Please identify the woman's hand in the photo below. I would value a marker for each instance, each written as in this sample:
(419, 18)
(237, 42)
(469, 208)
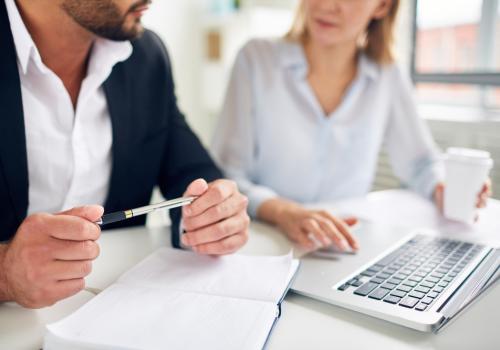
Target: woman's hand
(482, 197)
(311, 229)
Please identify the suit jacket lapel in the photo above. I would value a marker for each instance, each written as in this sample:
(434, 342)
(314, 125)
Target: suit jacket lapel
(13, 158)
(117, 90)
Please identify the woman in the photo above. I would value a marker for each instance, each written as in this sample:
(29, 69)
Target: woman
(305, 118)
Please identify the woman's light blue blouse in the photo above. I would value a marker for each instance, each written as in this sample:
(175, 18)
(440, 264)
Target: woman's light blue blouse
(274, 139)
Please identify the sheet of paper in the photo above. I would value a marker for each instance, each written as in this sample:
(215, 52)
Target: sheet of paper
(122, 317)
(256, 277)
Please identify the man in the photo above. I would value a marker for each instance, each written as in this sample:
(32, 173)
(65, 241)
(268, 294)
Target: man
(90, 117)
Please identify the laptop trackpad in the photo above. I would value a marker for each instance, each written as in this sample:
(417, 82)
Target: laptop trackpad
(319, 272)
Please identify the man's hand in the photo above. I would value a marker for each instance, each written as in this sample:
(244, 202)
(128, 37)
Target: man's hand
(216, 223)
(49, 256)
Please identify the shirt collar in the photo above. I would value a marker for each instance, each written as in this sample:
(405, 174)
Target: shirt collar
(292, 57)
(25, 46)
(105, 53)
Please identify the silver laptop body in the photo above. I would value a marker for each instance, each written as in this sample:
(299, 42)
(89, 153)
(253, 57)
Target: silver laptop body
(456, 272)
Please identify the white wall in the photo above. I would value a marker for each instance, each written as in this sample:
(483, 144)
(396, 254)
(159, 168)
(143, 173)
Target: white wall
(200, 86)
(177, 23)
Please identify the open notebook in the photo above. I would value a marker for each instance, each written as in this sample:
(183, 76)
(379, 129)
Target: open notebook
(175, 299)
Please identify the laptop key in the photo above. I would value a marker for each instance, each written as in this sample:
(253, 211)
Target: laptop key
(388, 285)
(409, 302)
(432, 279)
(427, 300)
(415, 294)
(377, 280)
(398, 293)
(357, 283)
(368, 273)
(384, 275)
(392, 299)
(379, 293)
(422, 289)
(352, 280)
(427, 284)
(400, 276)
(366, 289)
(410, 283)
(433, 295)
(404, 288)
(389, 258)
(421, 307)
(343, 287)
(394, 281)
(415, 278)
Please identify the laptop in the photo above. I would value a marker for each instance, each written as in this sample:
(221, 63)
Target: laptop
(418, 279)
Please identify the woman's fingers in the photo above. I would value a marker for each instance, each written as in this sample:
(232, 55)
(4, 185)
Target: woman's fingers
(334, 234)
(316, 233)
(439, 196)
(484, 195)
(342, 229)
(351, 221)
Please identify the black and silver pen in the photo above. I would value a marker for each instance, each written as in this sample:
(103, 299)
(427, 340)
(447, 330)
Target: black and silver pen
(127, 214)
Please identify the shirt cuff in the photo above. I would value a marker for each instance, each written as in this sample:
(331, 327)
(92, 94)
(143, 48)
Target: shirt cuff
(256, 197)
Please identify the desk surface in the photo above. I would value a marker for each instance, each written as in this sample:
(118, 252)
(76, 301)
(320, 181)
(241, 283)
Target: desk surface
(305, 323)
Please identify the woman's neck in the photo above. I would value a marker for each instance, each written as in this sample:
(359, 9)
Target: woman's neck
(336, 60)
(331, 71)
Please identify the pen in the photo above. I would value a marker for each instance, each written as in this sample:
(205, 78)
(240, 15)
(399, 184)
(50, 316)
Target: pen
(127, 214)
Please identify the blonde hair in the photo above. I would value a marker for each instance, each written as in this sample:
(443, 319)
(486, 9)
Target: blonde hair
(376, 43)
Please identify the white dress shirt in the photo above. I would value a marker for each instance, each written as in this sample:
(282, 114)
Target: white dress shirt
(274, 139)
(68, 149)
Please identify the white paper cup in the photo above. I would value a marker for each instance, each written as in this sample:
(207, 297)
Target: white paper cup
(466, 172)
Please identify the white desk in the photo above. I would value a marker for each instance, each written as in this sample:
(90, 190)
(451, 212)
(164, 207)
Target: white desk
(305, 323)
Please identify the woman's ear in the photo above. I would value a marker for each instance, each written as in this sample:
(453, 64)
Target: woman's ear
(382, 9)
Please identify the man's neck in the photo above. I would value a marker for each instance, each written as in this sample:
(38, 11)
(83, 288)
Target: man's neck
(63, 45)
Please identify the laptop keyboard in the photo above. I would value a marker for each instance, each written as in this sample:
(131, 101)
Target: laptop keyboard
(414, 275)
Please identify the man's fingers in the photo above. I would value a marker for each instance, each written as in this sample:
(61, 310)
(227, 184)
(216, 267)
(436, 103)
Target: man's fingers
(63, 227)
(218, 191)
(230, 207)
(196, 188)
(67, 227)
(89, 212)
(68, 270)
(224, 246)
(74, 250)
(65, 289)
(217, 231)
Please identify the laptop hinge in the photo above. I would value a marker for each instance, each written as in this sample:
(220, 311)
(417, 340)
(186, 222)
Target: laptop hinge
(480, 278)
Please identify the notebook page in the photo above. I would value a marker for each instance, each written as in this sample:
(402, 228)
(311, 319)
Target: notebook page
(139, 317)
(252, 277)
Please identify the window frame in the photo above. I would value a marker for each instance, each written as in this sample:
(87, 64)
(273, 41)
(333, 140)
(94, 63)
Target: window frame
(480, 77)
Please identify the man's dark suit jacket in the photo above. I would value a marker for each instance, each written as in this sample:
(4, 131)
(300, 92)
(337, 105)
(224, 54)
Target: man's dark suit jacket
(152, 144)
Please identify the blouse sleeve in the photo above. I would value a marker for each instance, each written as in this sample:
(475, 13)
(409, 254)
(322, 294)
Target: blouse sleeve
(234, 144)
(413, 154)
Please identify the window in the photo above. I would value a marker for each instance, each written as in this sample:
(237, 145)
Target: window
(456, 58)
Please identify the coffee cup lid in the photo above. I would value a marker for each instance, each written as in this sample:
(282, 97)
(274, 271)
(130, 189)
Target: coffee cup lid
(468, 155)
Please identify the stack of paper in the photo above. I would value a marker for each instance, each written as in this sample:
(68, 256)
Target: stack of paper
(178, 300)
